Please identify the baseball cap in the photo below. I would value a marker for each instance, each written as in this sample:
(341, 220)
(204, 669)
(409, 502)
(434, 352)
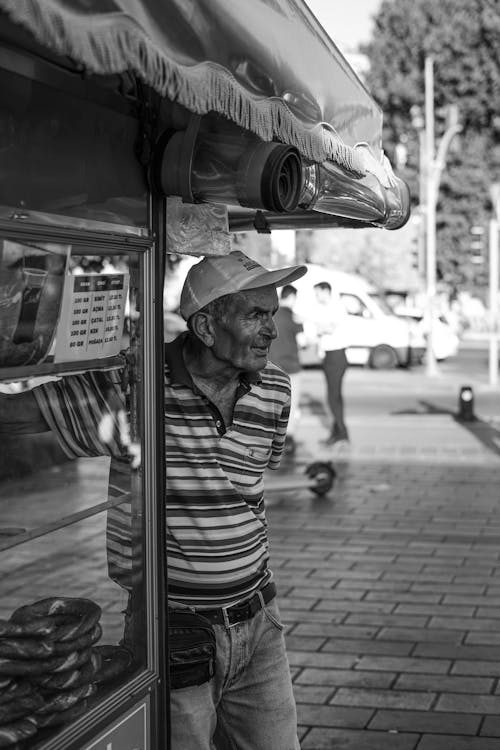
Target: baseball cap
(217, 275)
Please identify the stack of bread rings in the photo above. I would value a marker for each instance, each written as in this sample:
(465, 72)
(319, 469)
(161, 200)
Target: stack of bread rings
(48, 667)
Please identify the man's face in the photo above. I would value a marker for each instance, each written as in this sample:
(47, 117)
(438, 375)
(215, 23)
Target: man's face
(244, 336)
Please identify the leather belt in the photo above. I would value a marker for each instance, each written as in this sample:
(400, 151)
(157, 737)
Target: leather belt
(240, 612)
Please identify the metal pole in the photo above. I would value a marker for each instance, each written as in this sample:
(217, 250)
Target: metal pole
(431, 194)
(493, 348)
(422, 199)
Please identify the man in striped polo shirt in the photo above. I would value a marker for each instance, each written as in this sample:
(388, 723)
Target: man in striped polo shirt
(226, 411)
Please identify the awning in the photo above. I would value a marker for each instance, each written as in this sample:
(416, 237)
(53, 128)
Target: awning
(266, 65)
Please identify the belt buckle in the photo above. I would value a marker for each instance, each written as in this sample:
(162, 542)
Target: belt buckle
(247, 603)
(225, 617)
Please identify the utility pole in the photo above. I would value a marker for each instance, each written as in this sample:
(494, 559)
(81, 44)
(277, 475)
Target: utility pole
(418, 123)
(430, 215)
(435, 166)
(493, 274)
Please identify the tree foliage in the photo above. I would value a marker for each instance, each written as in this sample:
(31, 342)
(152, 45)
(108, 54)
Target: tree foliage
(463, 38)
(381, 257)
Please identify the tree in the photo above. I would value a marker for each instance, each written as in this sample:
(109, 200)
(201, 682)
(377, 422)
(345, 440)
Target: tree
(463, 37)
(381, 257)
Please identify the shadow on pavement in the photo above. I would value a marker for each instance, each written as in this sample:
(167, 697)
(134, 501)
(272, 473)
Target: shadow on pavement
(313, 405)
(483, 432)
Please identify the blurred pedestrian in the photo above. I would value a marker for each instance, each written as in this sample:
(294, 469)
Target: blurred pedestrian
(330, 319)
(284, 352)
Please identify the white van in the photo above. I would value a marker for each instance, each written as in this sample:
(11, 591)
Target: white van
(445, 340)
(378, 337)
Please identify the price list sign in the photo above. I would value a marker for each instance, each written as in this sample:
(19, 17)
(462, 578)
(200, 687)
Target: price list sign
(92, 313)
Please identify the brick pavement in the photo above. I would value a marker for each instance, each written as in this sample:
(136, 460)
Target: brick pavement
(390, 590)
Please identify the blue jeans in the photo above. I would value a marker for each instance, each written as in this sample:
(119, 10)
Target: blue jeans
(249, 704)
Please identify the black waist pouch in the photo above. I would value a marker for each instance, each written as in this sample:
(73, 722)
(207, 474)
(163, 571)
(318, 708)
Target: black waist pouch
(192, 648)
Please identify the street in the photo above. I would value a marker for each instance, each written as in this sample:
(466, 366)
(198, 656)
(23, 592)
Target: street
(375, 392)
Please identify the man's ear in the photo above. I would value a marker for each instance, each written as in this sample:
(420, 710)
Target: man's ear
(203, 328)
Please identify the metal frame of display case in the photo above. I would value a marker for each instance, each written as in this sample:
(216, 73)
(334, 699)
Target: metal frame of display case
(136, 713)
(136, 710)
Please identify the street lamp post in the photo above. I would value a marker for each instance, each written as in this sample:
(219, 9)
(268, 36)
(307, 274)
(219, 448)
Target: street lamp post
(418, 124)
(493, 274)
(435, 166)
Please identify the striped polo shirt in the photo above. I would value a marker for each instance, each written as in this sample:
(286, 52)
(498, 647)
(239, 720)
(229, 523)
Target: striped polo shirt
(76, 408)
(217, 540)
(217, 545)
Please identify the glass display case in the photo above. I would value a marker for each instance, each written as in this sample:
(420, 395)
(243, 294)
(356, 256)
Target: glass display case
(80, 660)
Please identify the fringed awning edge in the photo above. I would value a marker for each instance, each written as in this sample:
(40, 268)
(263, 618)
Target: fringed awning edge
(114, 44)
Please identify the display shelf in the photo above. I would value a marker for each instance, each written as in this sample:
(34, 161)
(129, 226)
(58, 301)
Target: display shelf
(16, 374)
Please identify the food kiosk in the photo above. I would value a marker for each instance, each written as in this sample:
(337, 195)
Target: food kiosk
(130, 129)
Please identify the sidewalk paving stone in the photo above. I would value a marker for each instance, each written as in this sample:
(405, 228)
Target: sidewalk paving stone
(337, 739)
(444, 683)
(426, 721)
(333, 716)
(491, 726)
(476, 704)
(445, 742)
(372, 698)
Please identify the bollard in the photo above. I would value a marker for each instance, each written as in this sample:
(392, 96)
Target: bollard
(466, 404)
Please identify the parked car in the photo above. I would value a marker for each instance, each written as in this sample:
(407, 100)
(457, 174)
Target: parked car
(445, 340)
(377, 337)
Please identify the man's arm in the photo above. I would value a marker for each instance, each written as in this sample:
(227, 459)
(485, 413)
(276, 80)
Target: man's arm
(280, 431)
(20, 414)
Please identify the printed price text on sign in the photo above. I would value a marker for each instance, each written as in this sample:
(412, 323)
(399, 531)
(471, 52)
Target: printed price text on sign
(92, 315)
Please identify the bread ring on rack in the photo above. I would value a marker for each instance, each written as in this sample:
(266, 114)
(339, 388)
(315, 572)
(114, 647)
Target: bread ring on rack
(83, 641)
(70, 627)
(73, 628)
(86, 612)
(55, 606)
(42, 628)
(62, 717)
(73, 660)
(34, 648)
(115, 661)
(65, 699)
(72, 678)
(22, 707)
(43, 666)
(15, 690)
(26, 648)
(17, 731)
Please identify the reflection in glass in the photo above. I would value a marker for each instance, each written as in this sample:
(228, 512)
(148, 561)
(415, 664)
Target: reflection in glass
(33, 283)
(68, 157)
(31, 286)
(72, 609)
